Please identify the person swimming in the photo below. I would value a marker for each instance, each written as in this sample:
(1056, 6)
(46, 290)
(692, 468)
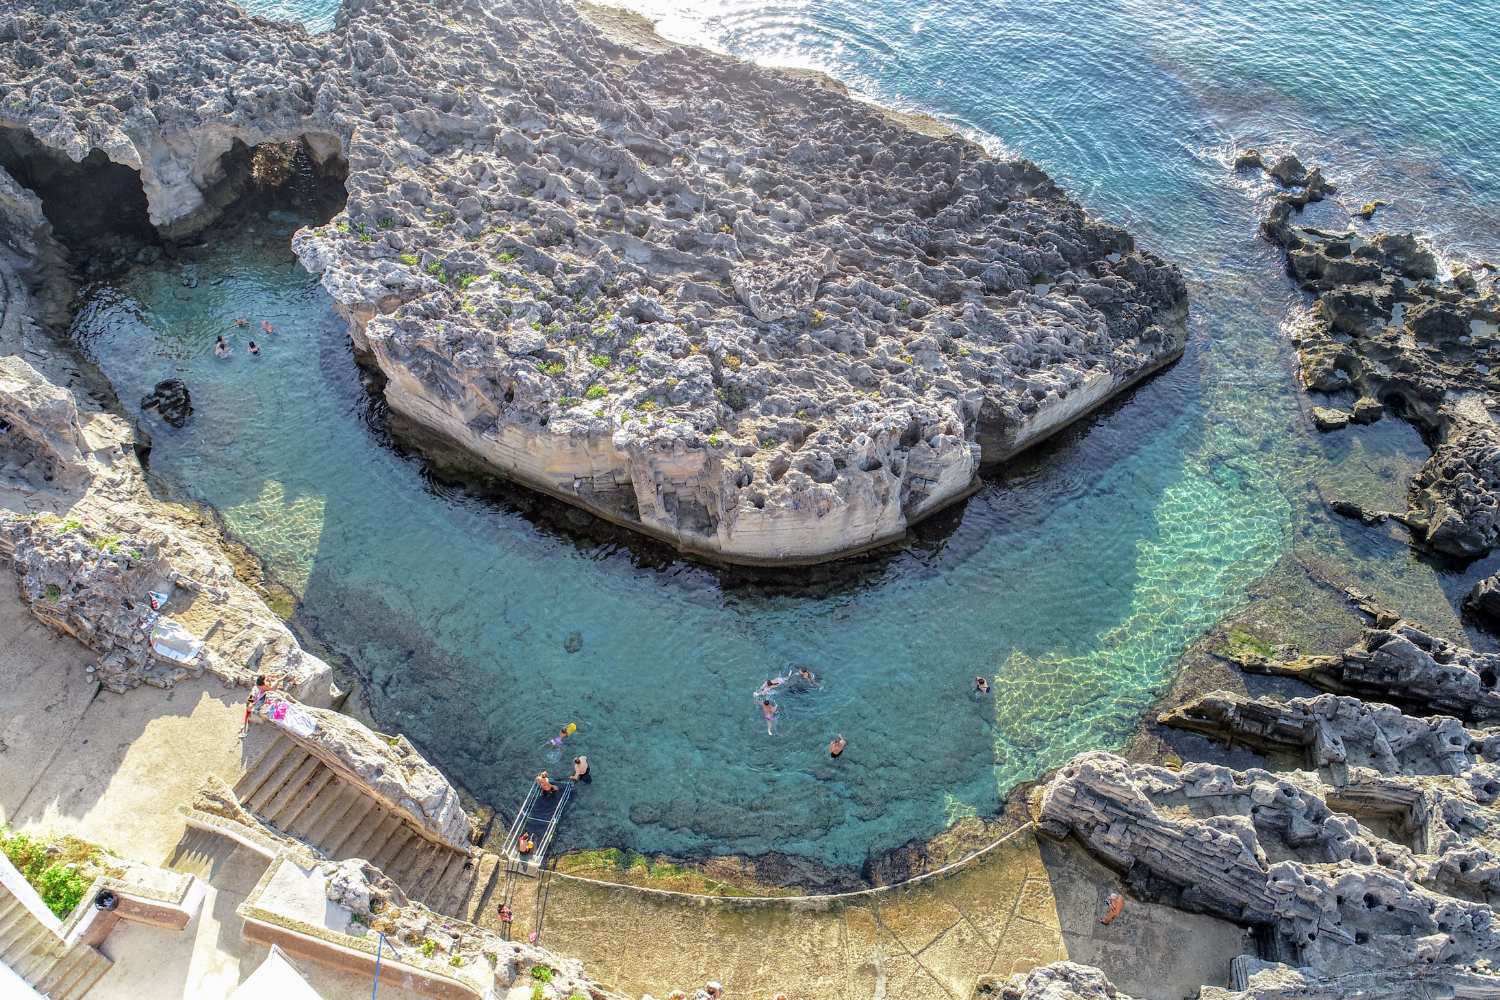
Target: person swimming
(771, 684)
(254, 349)
(221, 349)
(836, 746)
(241, 321)
(768, 712)
(981, 686)
(806, 676)
(265, 325)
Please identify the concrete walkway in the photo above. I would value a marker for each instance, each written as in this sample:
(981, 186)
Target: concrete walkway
(1024, 904)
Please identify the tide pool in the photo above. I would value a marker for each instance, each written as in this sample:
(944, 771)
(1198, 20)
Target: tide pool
(1075, 578)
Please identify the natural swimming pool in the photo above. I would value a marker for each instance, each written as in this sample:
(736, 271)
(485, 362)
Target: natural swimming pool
(1075, 579)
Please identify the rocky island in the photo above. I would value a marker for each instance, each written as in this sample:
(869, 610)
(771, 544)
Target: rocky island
(728, 307)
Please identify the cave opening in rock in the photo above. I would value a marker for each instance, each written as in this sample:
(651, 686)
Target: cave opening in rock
(93, 205)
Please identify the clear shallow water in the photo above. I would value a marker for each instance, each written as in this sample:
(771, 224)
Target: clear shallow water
(1076, 579)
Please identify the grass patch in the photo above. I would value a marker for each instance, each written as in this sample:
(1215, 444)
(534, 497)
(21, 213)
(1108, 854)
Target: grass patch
(60, 869)
(409, 259)
(600, 360)
(1239, 644)
(595, 392)
(552, 368)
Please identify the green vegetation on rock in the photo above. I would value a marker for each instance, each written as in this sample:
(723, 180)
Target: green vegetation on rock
(60, 869)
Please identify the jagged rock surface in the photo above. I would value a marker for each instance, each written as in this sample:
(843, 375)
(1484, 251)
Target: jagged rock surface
(40, 440)
(1263, 850)
(1402, 662)
(1387, 326)
(171, 400)
(1484, 601)
(729, 307)
(1058, 981)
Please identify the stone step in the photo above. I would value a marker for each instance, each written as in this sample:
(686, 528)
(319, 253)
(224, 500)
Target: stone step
(309, 800)
(42, 950)
(425, 864)
(381, 825)
(13, 917)
(262, 768)
(312, 821)
(395, 845)
(460, 881)
(486, 879)
(18, 937)
(75, 974)
(290, 794)
(438, 896)
(353, 828)
(263, 796)
(321, 834)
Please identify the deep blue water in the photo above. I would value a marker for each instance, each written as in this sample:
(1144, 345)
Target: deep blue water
(1075, 580)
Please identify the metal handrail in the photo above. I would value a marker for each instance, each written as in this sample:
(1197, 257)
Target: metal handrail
(546, 841)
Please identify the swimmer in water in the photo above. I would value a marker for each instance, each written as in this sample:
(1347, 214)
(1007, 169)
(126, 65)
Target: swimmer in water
(242, 321)
(771, 684)
(254, 349)
(545, 784)
(581, 769)
(836, 746)
(265, 325)
(807, 677)
(981, 686)
(768, 711)
(221, 349)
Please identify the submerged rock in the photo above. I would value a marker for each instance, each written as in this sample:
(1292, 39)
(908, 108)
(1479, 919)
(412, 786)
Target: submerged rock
(171, 400)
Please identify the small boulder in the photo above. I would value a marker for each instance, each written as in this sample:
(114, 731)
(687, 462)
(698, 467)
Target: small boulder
(1329, 419)
(172, 400)
(1484, 602)
(1249, 159)
(1367, 410)
(1288, 171)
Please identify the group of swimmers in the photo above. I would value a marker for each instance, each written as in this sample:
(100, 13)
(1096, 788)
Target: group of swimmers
(222, 348)
(581, 775)
(800, 677)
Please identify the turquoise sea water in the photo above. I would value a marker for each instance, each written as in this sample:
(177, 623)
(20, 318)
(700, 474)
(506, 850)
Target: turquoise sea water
(1075, 579)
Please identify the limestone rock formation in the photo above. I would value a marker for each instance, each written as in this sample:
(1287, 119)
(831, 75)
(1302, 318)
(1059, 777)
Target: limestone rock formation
(728, 307)
(1388, 328)
(391, 769)
(1406, 662)
(40, 439)
(1266, 851)
(1058, 981)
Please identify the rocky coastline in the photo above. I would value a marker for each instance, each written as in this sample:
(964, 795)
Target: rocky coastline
(701, 324)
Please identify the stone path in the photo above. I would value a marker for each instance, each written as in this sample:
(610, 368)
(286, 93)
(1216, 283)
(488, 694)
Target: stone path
(1022, 905)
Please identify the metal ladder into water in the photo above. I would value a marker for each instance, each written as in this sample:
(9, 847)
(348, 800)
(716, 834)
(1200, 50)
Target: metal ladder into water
(543, 828)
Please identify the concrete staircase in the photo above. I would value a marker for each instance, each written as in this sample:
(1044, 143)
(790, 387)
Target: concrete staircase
(34, 952)
(296, 793)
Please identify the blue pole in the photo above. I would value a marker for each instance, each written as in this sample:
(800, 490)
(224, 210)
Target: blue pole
(379, 946)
